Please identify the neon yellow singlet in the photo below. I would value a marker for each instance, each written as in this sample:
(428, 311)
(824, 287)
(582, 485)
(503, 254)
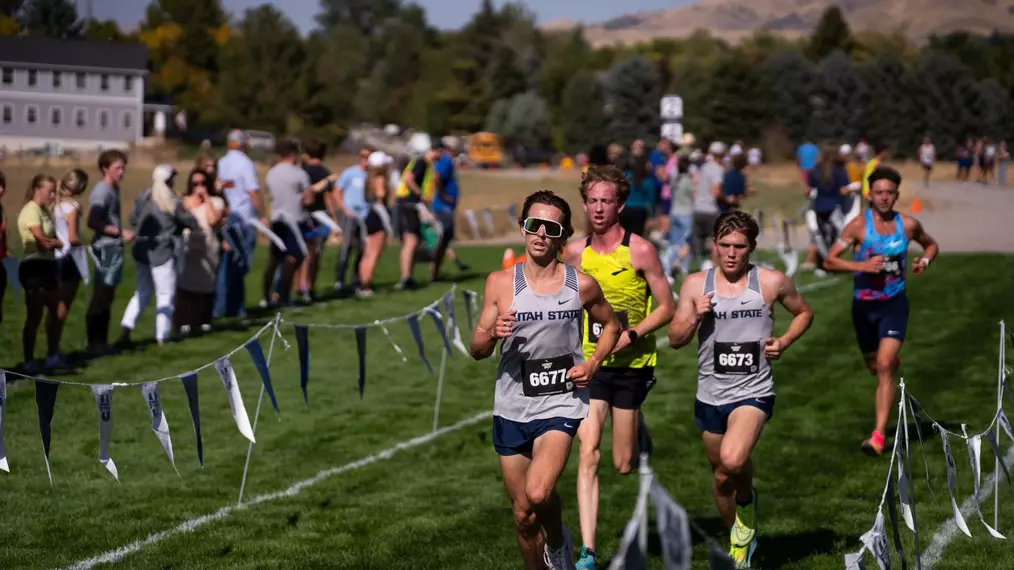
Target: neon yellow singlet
(870, 167)
(630, 297)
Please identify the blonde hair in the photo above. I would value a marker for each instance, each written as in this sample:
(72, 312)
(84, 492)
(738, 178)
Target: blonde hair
(72, 183)
(161, 193)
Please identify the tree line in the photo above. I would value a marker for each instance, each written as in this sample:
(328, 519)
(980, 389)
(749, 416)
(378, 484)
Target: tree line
(383, 61)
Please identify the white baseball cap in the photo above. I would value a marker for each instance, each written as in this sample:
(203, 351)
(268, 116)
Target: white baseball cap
(845, 149)
(379, 159)
(717, 147)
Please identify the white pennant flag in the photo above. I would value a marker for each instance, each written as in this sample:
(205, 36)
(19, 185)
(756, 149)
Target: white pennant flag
(906, 508)
(228, 375)
(158, 422)
(104, 402)
(875, 540)
(3, 416)
(952, 478)
(974, 454)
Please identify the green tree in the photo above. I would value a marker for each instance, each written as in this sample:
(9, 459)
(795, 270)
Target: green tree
(496, 120)
(993, 107)
(893, 108)
(10, 8)
(261, 72)
(583, 118)
(103, 31)
(948, 102)
(51, 18)
(791, 80)
(839, 101)
(691, 80)
(367, 16)
(737, 106)
(200, 21)
(528, 122)
(832, 33)
(634, 95)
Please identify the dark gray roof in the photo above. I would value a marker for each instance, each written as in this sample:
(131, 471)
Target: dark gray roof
(73, 53)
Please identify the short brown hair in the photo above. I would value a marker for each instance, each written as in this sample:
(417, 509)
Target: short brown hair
(108, 157)
(739, 162)
(737, 221)
(610, 175)
(315, 148)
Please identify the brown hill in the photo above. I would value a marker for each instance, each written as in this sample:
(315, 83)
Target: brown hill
(734, 19)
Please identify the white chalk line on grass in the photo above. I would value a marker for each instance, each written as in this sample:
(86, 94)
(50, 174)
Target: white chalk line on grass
(187, 526)
(949, 529)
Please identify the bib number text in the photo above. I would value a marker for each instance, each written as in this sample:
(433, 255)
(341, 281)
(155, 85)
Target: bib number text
(737, 357)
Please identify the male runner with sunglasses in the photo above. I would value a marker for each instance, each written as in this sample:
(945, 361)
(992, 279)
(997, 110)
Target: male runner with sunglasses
(541, 389)
(628, 269)
(730, 308)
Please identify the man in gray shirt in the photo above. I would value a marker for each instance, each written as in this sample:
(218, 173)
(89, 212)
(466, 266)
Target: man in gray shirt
(107, 247)
(291, 191)
(709, 183)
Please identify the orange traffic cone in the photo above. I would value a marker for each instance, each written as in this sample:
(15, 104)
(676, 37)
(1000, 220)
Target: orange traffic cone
(508, 258)
(916, 206)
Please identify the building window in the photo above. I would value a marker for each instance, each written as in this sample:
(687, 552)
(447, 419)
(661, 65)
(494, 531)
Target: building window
(31, 114)
(81, 81)
(8, 114)
(128, 120)
(103, 119)
(80, 118)
(128, 84)
(33, 77)
(57, 80)
(8, 78)
(104, 84)
(55, 116)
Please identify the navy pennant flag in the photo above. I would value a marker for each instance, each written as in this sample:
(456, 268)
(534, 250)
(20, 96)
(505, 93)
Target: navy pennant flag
(413, 325)
(952, 478)
(45, 401)
(261, 363)
(3, 416)
(673, 529)
(439, 322)
(469, 300)
(361, 349)
(228, 375)
(452, 323)
(916, 408)
(303, 348)
(104, 402)
(159, 424)
(991, 438)
(190, 387)
(892, 514)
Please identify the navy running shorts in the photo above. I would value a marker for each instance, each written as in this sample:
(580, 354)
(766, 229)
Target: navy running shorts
(513, 438)
(876, 320)
(290, 239)
(715, 419)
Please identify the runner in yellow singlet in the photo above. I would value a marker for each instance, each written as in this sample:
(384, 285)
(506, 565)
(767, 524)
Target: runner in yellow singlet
(628, 270)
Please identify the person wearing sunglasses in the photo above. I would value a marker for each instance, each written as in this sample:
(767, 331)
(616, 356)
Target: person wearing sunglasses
(730, 308)
(535, 308)
(628, 269)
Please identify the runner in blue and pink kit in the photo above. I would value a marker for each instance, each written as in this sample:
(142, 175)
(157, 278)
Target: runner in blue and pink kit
(880, 239)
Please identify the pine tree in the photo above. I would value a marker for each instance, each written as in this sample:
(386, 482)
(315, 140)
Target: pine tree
(51, 18)
(583, 120)
(832, 33)
(634, 96)
(839, 101)
(791, 79)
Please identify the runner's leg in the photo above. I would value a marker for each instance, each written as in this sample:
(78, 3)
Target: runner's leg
(526, 525)
(625, 447)
(886, 362)
(549, 457)
(590, 438)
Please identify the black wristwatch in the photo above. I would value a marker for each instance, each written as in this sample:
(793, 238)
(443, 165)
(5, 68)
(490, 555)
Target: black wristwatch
(632, 334)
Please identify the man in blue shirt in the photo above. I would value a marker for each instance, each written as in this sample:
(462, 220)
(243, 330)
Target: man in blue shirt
(445, 202)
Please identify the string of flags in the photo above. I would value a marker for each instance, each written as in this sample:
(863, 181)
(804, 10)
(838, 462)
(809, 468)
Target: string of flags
(673, 525)
(441, 312)
(899, 473)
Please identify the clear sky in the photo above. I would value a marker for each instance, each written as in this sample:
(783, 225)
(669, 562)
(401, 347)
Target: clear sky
(441, 13)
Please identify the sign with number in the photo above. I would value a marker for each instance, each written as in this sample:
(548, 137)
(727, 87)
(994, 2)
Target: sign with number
(893, 265)
(547, 376)
(737, 357)
(672, 131)
(672, 108)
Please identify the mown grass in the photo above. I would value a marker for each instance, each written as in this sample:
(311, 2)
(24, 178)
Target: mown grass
(442, 505)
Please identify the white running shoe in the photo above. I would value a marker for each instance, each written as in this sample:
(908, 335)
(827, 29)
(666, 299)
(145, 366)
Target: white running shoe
(562, 559)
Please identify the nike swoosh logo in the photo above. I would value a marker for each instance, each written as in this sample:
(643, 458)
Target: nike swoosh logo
(743, 302)
(568, 426)
(562, 302)
(615, 273)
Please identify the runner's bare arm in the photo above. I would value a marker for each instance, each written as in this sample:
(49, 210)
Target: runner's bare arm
(802, 314)
(600, 311)
(572, 253)
(929, 245)
(685, 321)
(851, 235)
(645, 259)
(484, 338)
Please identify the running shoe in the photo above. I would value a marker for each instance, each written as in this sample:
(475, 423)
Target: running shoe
(743, 536)
(874, 446)
(563, 558)
(587, 560)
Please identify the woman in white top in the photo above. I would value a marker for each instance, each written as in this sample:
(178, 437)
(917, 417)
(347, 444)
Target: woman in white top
(195, 290)
(71, 259)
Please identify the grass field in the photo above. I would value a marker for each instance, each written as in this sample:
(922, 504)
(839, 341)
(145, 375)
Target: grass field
(440, 504)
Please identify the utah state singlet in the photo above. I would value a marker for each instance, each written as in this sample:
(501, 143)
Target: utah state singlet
(894, 247)
(731, 362)
(544, 344)
(630, 297)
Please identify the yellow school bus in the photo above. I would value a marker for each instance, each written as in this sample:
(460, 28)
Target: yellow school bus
(484, 150)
